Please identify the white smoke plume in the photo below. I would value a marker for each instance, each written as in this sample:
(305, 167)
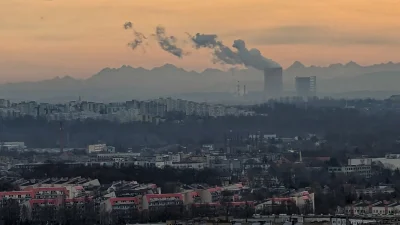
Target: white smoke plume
(128, 25)
(224, 54)
(253, 57)
(205, 40)
(239, 54)
(168, 43)
(139, 37)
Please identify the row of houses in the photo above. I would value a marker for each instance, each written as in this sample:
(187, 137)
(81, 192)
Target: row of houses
(31, 193)
(371, 208)
(121, 196)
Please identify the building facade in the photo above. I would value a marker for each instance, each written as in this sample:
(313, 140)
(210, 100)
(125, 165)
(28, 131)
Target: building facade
(306, 87)
(273, 83)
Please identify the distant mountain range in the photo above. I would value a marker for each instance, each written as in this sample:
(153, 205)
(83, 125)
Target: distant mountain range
(124, 83)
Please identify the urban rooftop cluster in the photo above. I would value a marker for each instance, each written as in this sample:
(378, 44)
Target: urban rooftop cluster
(134, 110)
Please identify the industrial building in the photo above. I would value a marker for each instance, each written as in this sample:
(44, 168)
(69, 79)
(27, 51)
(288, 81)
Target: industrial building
(273, 83)
(306, 87)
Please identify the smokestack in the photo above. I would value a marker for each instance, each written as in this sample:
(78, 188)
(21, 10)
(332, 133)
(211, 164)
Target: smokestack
(238, 89)
(61, 137)
(273, 83)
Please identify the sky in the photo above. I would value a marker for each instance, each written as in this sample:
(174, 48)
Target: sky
(41, 39)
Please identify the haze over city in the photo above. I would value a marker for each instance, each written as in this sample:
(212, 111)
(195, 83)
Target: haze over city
(213, 112)
(44, 39)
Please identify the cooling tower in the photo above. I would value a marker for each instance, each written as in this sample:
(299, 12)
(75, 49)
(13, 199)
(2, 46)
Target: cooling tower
(273, 84)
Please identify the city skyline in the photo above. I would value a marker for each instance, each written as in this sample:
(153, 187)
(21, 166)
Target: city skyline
(44, 39)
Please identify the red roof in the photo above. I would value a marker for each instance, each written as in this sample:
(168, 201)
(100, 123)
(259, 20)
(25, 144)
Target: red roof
(215, 189)
(194, 194)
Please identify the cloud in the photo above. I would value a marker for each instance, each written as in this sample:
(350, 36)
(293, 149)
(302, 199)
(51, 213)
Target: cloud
(315, 35)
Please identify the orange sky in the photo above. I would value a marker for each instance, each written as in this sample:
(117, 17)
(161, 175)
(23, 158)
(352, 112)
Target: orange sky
(47, 38)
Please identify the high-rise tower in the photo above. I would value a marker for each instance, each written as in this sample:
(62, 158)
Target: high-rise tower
(306, 87)
(273, 83)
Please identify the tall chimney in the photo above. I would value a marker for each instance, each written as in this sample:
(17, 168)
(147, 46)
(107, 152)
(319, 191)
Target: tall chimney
(61, 137)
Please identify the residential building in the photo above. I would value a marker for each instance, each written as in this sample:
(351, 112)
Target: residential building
(304, 200)
(4, 103)
(112, 156)
(156, 202)
(20, 196)
(359, 161)
(306, 87)
(12, 145)
(360, 170)
(124, 204)
(97, 148)
(371, 191)
(211, 194)
(189, 165)
(273, 83)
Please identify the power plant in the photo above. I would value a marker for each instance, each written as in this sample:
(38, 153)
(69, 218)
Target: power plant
(273, 83)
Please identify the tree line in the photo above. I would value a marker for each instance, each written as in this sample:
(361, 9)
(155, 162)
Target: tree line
(283, 119)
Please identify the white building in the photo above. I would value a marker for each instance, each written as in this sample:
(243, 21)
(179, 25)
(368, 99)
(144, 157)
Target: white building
(360, 170)
(189, 165)
(160, 201)
(111, 156)
(13, 145)
(375, 190)
(390, 161)
(359, 161)
(97, 148)
(175, 158)
(4, 103)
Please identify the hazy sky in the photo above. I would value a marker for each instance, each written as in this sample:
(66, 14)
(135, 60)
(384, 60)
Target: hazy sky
(47, 38)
